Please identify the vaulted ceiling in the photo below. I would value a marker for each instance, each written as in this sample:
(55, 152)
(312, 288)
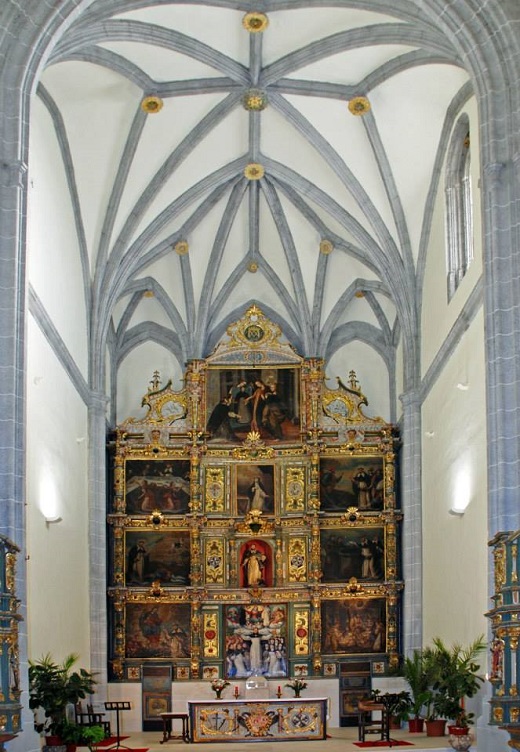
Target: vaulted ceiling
(218, 153)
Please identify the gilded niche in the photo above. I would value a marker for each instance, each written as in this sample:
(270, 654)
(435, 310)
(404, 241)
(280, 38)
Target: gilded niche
(254, 525)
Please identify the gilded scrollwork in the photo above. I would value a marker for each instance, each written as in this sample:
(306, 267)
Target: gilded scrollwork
(216, 518)
(297, 559)
(214, 561)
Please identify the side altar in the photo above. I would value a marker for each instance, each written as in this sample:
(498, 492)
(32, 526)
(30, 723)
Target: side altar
(295, 719)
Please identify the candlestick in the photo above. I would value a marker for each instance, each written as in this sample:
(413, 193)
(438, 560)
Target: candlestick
(279, 692)
(236, 693)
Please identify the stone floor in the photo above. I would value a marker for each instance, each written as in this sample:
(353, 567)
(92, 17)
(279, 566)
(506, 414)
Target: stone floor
(341, 740)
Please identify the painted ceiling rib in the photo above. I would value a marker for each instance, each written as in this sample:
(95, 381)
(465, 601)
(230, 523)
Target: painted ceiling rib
(150, 331)
(309, 88)
(255, 123)
(335, 314)
(319, 287)
(118, 188)
(221, 238)
(119, 270)
(112, 61)
(284, 296)
(196, 86)
(394, 200)
(255, 57)
(157, 36)
(144, 258)
(186, 146)
(68, 167)
(254, 219)
(138, 287)
(373, 254)
(338, 166)
(291, 255)
(402, 63)
(359, 331)
(379, 314)
(378, 34)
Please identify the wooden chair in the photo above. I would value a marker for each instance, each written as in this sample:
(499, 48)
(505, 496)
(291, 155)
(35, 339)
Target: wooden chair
(90, 717)
(367, 724)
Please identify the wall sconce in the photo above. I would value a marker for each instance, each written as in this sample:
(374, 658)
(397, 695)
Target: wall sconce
(51, 520)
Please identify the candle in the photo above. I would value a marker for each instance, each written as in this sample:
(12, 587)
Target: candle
(236, 691)
(279, 689)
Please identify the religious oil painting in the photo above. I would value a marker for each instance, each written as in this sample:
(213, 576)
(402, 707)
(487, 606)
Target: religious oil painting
(353, 552)
(162, 556)
(158, 630)
(263, 400)
(256, 640)
(255, 488)
(352, 482)
(162, 485)
(356, 625)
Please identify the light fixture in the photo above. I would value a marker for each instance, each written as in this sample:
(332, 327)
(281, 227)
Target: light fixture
(52, 520)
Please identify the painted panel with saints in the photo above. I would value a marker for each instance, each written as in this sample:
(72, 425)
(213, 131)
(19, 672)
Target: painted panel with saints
(265, 400)
(352, 482)
(162, 556)
(256, 640)
(355, 625)
(157, 484)
(158, 630)
(354, 552)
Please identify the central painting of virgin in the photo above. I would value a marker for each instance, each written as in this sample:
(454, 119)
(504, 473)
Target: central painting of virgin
(263, 400)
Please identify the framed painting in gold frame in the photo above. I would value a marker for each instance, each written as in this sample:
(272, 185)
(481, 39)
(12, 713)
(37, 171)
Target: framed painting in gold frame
(264, 400)
(353, 552)
(162, 485)
(157, 630)
(255, 488)
(352, 481)
(353, 625)
(157, 556)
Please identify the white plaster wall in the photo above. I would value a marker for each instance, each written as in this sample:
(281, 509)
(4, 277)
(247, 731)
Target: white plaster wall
(136, 372)
(53, 258)
(455, 554)
(58, 567)
(438, 316)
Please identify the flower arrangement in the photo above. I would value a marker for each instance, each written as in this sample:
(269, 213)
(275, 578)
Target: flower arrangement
(218, 685)
(296, 685)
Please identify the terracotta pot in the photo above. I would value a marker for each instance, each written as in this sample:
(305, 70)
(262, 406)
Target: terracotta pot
(53, 741)
(416, 725)
(395, 722)
(436, 727)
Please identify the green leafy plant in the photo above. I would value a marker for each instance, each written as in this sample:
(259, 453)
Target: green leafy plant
(453, 673)
(91, 736)
(414, 671)
(53, 686)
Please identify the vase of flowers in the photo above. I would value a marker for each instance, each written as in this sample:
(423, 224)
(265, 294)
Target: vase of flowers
(218, 686)
(296, 685)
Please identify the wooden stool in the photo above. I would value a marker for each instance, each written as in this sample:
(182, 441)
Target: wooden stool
(167, 719)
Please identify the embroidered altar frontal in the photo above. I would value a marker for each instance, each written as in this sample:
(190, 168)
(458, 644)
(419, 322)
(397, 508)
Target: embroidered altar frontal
(258, 720)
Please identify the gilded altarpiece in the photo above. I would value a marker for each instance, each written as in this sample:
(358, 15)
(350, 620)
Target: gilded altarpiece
(254, 526)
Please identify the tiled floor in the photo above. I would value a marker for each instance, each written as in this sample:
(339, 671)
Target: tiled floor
(341, 740)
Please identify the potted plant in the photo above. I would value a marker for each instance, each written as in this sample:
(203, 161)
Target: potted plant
(413, 670)
(53, 686)
(296, 685)
(91, 736)
(453, 676)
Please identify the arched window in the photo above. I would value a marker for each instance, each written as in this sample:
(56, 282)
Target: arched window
(459, 207)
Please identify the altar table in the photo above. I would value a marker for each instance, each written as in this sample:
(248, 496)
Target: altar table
(296, 719)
